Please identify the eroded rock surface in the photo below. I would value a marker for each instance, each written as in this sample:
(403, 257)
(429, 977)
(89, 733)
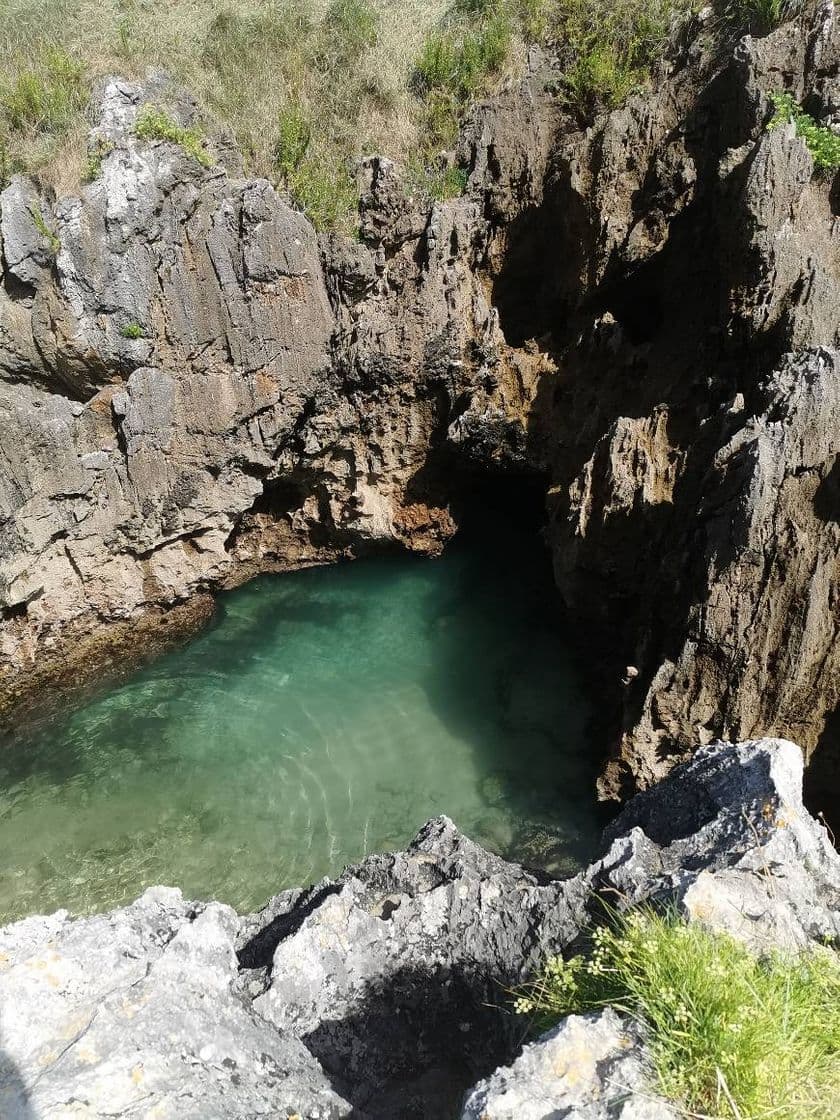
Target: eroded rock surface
(698, 368)
(589, 1067)
(135, 1013)
(383, 993)
(194, 389)
(728, 837)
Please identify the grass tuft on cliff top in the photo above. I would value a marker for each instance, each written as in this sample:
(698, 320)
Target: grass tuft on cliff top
(308, 86)
(732, 1036)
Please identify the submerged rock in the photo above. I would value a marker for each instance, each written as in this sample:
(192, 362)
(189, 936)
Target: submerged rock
(385, 993)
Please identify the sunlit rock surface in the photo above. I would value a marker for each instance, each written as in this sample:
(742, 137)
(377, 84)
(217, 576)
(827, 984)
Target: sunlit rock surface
(590, 1067)
(386, 991)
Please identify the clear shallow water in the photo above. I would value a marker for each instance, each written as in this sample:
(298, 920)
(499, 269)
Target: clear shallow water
(326, 714)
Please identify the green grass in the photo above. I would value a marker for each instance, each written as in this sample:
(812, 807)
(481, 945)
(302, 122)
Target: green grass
(445, 182)
(821, 142)
(325, 192)
(732, 1036)
(457, 64)
(93, 164)
(48, 235)
(41, 98)
(759, 16)
(609, 46)
(154, 123)
(306, 87)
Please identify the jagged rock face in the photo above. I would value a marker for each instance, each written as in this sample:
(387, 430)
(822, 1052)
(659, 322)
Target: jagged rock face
(193, 389)
(136, 1010)
(645, 311)
(590, 1067)
(690, 427)
(381, 994)
(128, 462)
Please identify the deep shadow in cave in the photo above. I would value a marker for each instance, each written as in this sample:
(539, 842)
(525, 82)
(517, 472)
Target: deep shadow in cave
(541, 697)
(822, 778)
(537, 284)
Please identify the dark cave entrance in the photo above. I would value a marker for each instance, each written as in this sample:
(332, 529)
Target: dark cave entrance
(482, 499)
(535, 288)
(822, 778)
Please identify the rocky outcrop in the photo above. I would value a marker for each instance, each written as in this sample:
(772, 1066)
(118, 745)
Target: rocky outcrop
(383, 992)
(137, 1011)
(194, 389)
(590, 1067)
(693, 508)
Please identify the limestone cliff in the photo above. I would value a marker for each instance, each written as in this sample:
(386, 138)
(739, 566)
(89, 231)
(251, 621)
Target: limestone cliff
(194, 387)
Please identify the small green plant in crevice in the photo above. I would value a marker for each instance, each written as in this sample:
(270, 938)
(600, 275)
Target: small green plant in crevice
(325, 192)
(732, 1036)
(93, 164)
(438, 182)
(448, 182)
(821, 142)
(154, 123)
(759, 17)
(49, 235)
(132, 331)
(321, 186)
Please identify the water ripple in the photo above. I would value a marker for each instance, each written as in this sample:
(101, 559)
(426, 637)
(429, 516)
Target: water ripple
(326, 715)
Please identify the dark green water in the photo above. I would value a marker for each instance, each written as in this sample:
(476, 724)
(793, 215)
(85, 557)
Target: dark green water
(327, 714)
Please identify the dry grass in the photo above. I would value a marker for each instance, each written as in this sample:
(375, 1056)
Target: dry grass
(346, 64)
(341, 78)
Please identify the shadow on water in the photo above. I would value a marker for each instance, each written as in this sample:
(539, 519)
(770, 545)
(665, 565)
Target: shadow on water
(506, 681)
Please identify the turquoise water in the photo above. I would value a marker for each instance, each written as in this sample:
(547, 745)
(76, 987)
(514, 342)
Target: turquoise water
(326, 714)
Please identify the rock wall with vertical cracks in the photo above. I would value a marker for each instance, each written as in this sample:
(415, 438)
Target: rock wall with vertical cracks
(195, 387)
(685, 305)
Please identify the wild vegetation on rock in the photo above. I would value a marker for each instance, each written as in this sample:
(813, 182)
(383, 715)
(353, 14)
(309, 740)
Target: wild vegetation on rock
(732, 1035)
(155, 124)
(306, 86)
(821, 142)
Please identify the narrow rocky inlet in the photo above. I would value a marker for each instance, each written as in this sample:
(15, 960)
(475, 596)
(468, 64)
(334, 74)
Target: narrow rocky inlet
(350, 703)
(374, 530)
